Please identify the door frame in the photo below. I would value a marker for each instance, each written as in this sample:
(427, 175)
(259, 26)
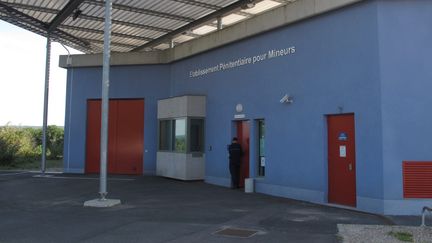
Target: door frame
(234, 133)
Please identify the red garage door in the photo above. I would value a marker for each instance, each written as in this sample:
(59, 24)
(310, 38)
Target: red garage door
(125, 136)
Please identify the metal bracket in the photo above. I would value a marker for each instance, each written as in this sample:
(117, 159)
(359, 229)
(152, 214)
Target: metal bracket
(423, 224)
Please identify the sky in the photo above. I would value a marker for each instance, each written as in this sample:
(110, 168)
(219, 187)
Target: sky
(22, 78)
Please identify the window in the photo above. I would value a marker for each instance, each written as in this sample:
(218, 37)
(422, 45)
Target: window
(180, 135)
(165, 135)
(196, 137)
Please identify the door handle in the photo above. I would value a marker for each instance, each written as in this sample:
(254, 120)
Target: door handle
(350, 167)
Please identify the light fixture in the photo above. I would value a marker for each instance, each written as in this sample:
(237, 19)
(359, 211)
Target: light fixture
(248, 4)
(239, 108)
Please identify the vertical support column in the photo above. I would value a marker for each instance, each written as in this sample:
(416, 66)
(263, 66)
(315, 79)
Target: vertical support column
(105, 101)
(219, 23)
(102, 201)
(45, 107)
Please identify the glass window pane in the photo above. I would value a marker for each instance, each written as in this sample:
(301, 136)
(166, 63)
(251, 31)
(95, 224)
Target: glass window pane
(180, 135)
(261, 148)
(196, 135)
(261, 138)
(165, 135)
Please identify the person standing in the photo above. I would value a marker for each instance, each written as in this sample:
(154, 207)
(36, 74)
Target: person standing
(235, 153)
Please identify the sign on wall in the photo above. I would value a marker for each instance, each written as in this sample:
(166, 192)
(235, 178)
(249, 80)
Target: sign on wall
(249, 60)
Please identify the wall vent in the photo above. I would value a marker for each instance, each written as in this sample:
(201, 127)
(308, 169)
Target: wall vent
(417, 179)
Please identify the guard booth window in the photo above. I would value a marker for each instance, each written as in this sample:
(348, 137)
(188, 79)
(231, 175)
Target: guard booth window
(196, 135)
(261, 148)
(181, 135)
(165, 135)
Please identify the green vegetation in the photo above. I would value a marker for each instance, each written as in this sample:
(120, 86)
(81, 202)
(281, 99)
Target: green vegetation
(51, 165)
(20, 147)
(180, 144)
(402, 236)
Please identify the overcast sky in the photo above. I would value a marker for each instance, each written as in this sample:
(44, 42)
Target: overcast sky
(22, 77)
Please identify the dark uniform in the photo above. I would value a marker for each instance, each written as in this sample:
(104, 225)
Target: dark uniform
(235, 154)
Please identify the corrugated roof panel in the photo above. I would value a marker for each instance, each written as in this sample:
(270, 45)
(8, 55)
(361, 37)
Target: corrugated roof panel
(133, 17)
(32, 8)
(92, 10)
(176, 25)
(218, 3)
(151, 20)
(177, 8)
(135, 31)
(56, 4)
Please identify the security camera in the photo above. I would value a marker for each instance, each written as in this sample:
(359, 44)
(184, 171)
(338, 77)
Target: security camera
(248, 4)
(286, 99)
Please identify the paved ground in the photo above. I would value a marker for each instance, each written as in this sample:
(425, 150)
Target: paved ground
(156, 209)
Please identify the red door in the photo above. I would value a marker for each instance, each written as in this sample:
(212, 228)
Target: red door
(93, 136)
(341, 160)
(130, 140)
(243, 139)
(125, 136)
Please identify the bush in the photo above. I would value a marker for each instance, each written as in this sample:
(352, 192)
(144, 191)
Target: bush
(18, 145)
(9, 145)
(29, 150)
(55, 140)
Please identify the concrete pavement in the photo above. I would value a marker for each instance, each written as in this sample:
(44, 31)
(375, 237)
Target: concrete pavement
(155, 209)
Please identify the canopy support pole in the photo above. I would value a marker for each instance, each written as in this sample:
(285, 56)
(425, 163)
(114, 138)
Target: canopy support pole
(45, 107)
(103, 201)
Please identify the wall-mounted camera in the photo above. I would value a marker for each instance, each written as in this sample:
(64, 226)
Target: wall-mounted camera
(287, 99)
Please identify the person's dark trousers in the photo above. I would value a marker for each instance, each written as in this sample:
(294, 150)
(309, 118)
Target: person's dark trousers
(235, 175)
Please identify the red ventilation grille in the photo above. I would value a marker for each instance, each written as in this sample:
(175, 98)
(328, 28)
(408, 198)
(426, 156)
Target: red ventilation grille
(417, 179)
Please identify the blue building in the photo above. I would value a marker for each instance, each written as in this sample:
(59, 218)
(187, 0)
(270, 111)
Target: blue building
(330, 104)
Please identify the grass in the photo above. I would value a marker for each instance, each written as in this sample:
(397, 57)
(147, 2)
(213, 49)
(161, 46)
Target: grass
(51, 165)
(402, 236)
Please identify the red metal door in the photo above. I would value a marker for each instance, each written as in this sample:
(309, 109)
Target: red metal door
(341, 160)
(130, 137)
(243, 139)
(112, 135)
(125, 136)
(93, 136)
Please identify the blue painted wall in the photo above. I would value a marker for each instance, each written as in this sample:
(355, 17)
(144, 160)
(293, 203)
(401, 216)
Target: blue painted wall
(335, 64)
(366, 59)
(406, 74)
(125, 82)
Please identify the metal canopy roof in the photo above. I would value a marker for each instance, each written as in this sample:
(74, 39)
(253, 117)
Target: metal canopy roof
(137, 25)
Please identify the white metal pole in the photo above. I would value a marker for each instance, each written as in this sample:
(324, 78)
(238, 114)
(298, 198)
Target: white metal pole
(105, 101)
(45, 107)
